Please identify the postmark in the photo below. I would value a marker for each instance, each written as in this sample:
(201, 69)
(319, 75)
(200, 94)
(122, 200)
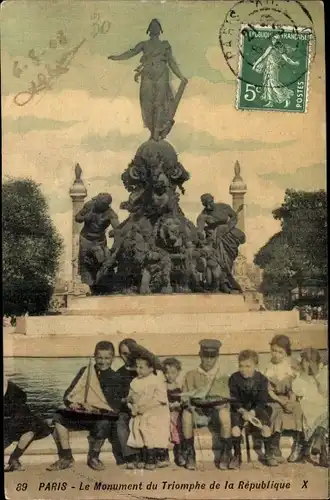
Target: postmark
(275, 15)
(277, 62)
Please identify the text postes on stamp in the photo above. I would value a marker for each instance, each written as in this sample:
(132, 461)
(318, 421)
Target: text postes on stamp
(273, 68)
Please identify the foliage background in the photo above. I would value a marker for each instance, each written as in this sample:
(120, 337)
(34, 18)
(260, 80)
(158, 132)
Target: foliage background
(31, 248)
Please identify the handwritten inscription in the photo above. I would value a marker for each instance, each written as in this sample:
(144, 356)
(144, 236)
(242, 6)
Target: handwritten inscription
(45, 79)
(44, 82)
(99, 27)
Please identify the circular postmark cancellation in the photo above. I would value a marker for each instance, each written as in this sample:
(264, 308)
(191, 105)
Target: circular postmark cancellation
(280, 32)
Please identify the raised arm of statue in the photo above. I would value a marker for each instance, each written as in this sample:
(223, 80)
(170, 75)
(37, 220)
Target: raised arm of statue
(129, 53)
(84, 212)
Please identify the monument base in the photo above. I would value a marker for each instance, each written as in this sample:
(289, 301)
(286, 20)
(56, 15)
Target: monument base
(157, 304)
(167, 325)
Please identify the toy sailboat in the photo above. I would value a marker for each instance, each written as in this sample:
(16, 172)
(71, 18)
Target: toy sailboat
(88, 395)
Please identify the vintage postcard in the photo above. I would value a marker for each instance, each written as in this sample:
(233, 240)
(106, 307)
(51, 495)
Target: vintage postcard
(164, 250)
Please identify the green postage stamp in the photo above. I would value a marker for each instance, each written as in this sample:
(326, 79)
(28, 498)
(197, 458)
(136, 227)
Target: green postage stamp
(274, 68)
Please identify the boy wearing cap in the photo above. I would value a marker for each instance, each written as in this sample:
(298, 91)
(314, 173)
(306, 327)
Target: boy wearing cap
(206, 379)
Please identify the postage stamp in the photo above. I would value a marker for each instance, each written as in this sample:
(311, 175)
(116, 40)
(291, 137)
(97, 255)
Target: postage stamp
(278, 62)
(165, 273)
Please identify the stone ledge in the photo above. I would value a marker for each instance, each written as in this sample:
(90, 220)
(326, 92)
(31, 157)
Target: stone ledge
(44, 450)
(165, 324)
(171, 344)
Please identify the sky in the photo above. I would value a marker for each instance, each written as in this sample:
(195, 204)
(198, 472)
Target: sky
(91, 114)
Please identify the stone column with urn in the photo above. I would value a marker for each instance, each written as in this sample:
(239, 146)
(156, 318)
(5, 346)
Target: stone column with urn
(78, 194)
(238, 189)
(247, 274)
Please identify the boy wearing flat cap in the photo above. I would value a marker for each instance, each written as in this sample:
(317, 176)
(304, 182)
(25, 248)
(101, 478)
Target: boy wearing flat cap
(205, 382)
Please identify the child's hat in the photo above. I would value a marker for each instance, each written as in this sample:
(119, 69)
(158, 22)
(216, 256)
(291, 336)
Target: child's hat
(209, 347)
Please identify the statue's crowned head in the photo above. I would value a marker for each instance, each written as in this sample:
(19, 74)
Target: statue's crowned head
(154, 28)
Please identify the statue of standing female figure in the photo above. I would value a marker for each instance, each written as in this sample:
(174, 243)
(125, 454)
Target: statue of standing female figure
(158, 104)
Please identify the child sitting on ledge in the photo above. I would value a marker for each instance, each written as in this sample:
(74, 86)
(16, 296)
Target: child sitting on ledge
(20, 424)
(172, 369)
(150, 422)
(311, 387)
(249, 388)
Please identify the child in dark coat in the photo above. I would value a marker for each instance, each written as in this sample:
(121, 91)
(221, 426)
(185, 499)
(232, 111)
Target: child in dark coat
(20, 424)
(249, 388)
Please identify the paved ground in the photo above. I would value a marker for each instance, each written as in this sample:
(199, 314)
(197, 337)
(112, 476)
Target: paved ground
(284, 482)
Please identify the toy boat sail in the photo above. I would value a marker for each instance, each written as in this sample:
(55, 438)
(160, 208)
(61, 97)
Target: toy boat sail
(88, 392)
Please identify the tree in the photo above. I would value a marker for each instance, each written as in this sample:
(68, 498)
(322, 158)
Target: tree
(31, 248)
(298, 253)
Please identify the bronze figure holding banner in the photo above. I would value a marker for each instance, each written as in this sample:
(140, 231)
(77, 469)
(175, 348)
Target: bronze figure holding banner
(158, 103)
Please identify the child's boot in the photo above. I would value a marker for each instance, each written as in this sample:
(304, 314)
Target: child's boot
(163, 459)
(324, 455)
(14, 465)
(132, 461)
(141, 459)
(151, 459)
(93, 460)
(190, 454)
(276, 449)
(226, 454)
(178, 452)
(236, 459)
(270, 459)
(297, 448)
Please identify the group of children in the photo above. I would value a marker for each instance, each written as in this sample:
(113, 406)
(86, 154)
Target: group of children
(154, 406)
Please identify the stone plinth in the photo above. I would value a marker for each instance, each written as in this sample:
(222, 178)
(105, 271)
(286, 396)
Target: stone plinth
(156, 305)
(167, 325)
(173, 344)
(212, 324)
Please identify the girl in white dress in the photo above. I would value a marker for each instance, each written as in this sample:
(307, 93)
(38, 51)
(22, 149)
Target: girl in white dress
(286, 410)
(150, 422)
(311, 387)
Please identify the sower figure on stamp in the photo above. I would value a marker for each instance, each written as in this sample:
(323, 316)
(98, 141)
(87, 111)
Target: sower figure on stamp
(96, 215)
(205, 381)
(158, 104)
(269, 64)
(20, 424)
(91, 403)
